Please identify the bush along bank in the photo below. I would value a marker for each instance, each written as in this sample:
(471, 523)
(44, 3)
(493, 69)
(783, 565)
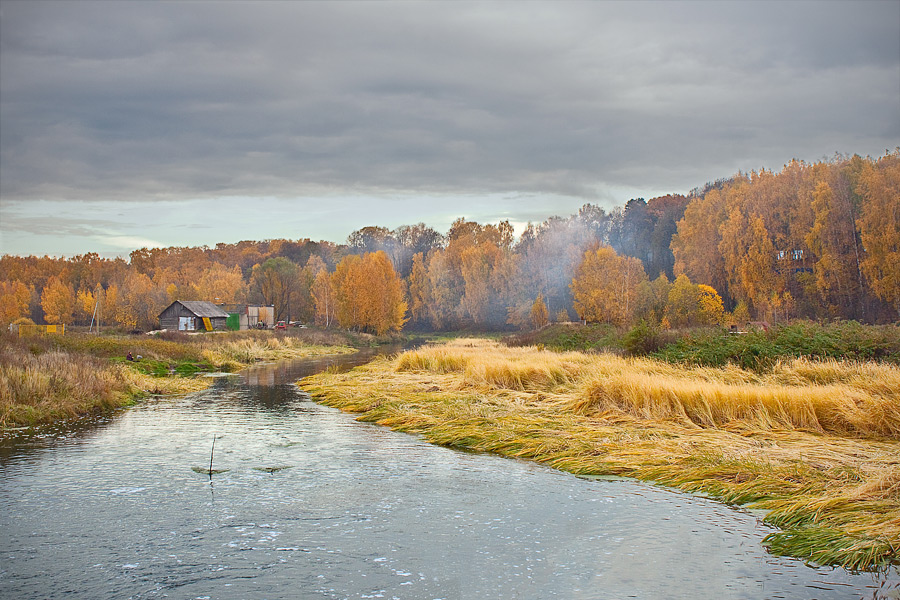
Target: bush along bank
(815, 444)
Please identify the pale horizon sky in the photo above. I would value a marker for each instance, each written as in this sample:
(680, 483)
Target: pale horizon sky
(130, 124)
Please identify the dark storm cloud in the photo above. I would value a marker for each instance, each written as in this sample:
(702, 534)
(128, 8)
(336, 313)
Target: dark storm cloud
(131, 101)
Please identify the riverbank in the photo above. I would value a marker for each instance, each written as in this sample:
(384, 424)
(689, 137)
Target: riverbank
(757, 348)
(46, 378)
(815, 444)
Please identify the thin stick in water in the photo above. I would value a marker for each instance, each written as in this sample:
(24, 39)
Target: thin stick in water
(211, 456)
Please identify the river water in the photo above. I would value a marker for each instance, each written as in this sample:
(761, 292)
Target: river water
(317, 505)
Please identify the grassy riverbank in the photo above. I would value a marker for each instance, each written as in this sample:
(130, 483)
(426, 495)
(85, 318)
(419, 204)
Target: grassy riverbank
(816, 444)
(46, 378)
(755, 349)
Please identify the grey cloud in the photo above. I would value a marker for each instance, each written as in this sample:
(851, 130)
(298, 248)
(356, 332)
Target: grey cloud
(135, 101)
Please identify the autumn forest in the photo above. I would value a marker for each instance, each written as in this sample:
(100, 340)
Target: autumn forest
(819, 241)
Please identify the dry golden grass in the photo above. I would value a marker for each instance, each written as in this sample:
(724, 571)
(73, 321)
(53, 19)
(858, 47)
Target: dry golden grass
(832, 397)
(816, 444)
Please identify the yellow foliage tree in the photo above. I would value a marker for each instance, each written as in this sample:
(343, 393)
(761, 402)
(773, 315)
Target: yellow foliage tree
(711, 307)
(605, 286)
(85, 302)
(109, 304)
(477, 268)
(540, 314)
(683, 304)
(58, 301)
(692, 304)
(749, 258)
(349, 289)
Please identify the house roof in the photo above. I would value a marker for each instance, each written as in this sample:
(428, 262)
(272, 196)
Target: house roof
(202, 308)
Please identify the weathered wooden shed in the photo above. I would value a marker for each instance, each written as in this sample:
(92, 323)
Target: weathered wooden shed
(193, 315)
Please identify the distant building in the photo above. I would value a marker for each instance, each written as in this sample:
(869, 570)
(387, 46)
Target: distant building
(193, 315)
(248, 316)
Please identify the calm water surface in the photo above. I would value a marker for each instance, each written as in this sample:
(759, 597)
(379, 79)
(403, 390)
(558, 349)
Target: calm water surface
(113, 509)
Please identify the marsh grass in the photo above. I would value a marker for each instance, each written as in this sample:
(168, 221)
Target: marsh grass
(218, 351)
(814, 443)
(39, 388)
(53, 385)
(53, 377)
(246, 350)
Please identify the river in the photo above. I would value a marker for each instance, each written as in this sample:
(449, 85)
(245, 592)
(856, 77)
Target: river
(316, 505)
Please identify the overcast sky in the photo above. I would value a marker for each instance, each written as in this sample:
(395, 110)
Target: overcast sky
(127, 124)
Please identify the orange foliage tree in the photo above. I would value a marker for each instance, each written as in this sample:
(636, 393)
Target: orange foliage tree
(14, 299)
(696, 245)
(369, 294)
(221, 285)
(139, 302)
(879, 226)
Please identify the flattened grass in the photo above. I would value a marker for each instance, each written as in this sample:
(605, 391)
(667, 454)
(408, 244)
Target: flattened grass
(815, 444)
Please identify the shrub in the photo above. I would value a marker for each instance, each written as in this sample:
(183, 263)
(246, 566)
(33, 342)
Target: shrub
(642, 339)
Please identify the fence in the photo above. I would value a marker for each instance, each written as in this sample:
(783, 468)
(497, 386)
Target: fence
(24, 330)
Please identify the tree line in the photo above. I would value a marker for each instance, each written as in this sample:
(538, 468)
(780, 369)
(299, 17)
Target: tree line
(818, 240)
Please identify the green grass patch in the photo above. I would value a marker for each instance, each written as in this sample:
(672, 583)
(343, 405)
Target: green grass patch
(716, 347)
(571, 336)
(820, 545)
(759, 350)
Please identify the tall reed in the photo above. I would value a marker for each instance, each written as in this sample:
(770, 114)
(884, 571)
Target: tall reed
(53, 385)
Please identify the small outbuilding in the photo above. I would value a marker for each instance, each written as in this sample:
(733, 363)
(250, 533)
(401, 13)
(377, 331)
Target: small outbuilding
(247, 316)
(193, 315)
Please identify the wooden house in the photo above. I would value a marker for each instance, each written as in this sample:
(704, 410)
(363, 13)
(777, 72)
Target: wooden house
(193, 315)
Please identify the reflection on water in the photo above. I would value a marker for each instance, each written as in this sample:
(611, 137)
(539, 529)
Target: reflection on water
(115, 511)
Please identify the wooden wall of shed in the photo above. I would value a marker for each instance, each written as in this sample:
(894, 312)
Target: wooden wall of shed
(168, 319)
